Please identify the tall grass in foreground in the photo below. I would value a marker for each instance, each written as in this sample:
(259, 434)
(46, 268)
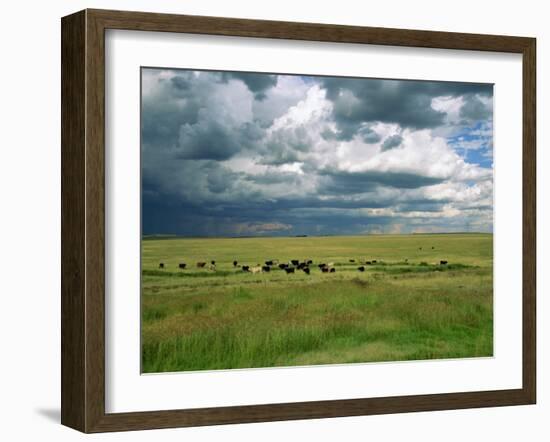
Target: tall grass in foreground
(385, 316)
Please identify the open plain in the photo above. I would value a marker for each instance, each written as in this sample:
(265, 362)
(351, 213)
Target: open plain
(417, 297)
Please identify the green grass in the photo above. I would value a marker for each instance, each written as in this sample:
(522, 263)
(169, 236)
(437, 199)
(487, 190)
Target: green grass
(405, 307)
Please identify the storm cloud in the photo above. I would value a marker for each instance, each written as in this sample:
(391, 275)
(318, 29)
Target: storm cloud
(258, 84)
(406, 103)
(391, 142)
(238, 154)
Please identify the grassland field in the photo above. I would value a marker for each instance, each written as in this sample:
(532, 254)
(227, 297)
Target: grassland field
(405, 307)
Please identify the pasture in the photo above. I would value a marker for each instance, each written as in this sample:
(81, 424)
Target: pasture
(405, 306)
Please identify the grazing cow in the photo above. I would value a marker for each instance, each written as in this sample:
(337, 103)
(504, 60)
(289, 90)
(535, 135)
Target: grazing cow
(283, 266)
(302, 266)
(256, 269)
(325, 269)
(374, 261)
(269, 263)
(212, 267)
(213, 263)
(295, 262)
(321, 266)
(161, 265)
(306, 270)
(235, 263)
(309, 262)
(266, 268)
(361, 269)
(246, 268)
(368, 263)
(182, 265)
(201, 265)
(289, 270)
(352, 260)
(443, 262)
(332, 270)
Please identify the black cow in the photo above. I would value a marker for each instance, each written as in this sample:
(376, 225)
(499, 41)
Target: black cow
(443, 262)
(161, 265)
(302, 265)
(269, 263)
(309, 262)
(374, 261)
(283, 266)
(182, 265)
(361, 269)
(420, 248)
(306, 270)
(235, 263)
(213, 263)
(322, 266)
(201, 264)
(295, 262)
(289, 270)
(352, 260)
(266, 268)
(368, 263)
(332, 270)
(433, 247)
(325, 269)
(246, 268)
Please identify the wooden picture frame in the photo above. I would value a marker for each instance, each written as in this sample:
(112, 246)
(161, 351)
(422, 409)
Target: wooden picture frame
(83, 220)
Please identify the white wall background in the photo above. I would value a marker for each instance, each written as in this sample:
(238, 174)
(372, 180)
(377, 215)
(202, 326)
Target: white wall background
(30, 217)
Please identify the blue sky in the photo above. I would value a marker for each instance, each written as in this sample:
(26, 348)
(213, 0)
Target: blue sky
(241, 154)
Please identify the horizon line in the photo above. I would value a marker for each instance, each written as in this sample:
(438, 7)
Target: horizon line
(173, 235)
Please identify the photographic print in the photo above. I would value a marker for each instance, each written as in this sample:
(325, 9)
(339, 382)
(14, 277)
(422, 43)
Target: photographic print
(299, 220)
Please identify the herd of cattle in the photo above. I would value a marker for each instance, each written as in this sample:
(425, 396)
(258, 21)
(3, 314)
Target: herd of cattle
(289, 267)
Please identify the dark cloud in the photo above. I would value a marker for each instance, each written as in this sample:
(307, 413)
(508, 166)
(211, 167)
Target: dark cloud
(347, 130)
(186, 114)
(258, 84)
(207, 139)
(368, 135)
(392, 142)
(205, 214)
(371, 201)
(273, 177)
(162, 117)
(221, 180)
(359, 182)
(421, 206)
(298, 216)
(407, 103)
(212, 139)
(182, 81)
(474, 109)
